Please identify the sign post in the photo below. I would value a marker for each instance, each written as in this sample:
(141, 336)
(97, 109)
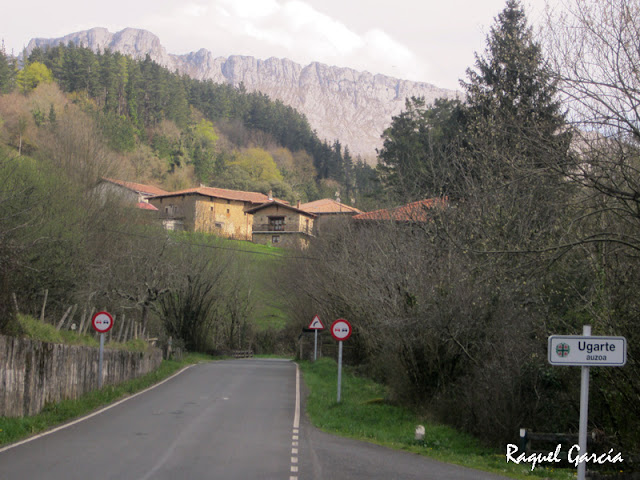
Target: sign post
(102, 322)
(316, 325)
(341, 331)
(586, 351)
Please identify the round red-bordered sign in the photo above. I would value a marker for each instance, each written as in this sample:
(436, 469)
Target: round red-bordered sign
(341, 330)
(102, 322)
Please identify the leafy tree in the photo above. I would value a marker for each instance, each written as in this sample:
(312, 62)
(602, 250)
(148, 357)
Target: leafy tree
(594, 55)
(202, 144)
(32, 75)
(259, 164)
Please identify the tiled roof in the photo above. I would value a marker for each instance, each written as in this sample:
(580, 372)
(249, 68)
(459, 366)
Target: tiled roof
(251, 197)
(145, 206)
(412, 212)
(148, 190)
(283, 205)
(326, 206)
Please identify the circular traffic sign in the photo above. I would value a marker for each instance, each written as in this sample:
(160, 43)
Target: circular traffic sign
(102, 322)
(341, 330)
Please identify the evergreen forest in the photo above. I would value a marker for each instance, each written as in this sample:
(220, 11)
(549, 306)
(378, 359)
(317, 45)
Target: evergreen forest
(177, 132)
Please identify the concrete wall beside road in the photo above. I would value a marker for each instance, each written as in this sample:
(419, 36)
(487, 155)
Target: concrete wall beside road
(34, 373)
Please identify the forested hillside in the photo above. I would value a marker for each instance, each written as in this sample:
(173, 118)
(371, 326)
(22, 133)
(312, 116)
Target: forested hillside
(175, 131)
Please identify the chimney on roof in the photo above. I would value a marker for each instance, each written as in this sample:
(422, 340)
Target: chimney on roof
(298, 204)
(270, 195)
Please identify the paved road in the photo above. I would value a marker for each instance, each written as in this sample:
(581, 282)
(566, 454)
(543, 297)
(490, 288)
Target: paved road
(221, 420)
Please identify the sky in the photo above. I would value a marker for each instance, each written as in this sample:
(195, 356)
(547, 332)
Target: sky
(431, 41)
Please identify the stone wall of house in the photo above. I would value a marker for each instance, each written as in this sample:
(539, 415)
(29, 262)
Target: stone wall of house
(282, 239)
(199, 213)
(223, 217)
(179, 209)
(293, 221)
(34, 373)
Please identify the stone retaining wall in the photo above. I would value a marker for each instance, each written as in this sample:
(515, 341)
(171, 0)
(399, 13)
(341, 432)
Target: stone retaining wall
(34, 373)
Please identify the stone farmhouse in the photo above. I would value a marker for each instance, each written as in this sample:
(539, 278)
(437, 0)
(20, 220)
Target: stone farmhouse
(328, 211)
(279, 224)
(210, 210)
(129, 192)
(255, 216)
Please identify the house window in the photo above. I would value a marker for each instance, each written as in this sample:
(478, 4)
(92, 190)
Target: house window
(219, 225)
(306, 225)
(275, 239)
(211, 208)
(228, 211)
(276, 224)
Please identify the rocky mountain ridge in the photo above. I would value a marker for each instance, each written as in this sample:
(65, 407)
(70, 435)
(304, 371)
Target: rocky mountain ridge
(340, 103)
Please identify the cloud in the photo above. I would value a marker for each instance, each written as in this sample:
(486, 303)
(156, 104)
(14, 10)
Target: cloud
(282, 28)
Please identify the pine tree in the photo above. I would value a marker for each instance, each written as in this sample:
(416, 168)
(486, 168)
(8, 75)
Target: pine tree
(418, 150)
(513, 110)
(8, 72)
(515, 137)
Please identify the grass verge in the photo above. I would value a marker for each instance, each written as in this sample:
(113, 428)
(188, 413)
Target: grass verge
(363, 414)
(36, 330)
(15, 429)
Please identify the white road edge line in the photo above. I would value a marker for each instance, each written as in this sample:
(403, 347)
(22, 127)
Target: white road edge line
(296, 417)
(86, 417)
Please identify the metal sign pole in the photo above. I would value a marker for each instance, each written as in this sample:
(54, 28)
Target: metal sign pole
(100, 361)
(584, 411)
(339, 369)
(315, 347)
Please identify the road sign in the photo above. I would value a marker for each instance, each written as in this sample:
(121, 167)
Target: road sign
(102, 322)
(316, 324)
(341, 330)
(587, 351)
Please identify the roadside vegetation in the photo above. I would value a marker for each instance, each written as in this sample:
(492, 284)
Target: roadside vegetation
(15, 429)
(538, 235)
(366, 413)
(35, 330)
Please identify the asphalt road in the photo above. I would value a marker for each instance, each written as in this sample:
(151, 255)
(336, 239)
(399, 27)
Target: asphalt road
(220, 420)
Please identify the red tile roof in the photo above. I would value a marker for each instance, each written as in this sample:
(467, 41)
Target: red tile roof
(145, 206)
(250, 197)
(283, 205)
(148, 190)
(328, 206)
(412, 212)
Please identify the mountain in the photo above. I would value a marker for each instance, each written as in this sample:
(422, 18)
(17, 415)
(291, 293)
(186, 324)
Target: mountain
(340, 103)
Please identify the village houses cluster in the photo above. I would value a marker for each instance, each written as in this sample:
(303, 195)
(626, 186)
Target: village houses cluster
(248, 216)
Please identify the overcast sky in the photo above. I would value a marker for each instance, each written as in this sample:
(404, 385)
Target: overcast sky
(424, 40)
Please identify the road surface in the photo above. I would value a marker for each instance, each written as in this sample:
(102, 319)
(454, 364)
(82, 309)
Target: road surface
(220, 420)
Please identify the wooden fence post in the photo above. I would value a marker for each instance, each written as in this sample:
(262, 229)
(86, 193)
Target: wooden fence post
(86, 327)
(15, 303)
(82, 319)
(64, 317)
(126, 332)
(44, 304)
(119, 337)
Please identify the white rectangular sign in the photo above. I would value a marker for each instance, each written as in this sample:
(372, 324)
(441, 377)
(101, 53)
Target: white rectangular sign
(587, 351)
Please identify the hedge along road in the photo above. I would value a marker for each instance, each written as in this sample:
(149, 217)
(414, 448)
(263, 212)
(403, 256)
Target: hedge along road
(235, 419)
